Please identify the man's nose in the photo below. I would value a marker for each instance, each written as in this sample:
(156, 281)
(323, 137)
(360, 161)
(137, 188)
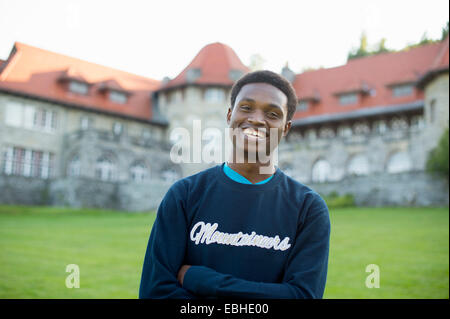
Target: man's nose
(256, 118)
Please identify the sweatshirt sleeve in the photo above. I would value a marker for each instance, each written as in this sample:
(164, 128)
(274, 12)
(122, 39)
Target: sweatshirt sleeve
(305, 272)
(166, 249)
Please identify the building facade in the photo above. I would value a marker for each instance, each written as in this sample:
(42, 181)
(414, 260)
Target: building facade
(79, 134)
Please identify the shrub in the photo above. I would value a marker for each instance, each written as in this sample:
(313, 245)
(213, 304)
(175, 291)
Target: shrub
(333, 200)
(437, 161)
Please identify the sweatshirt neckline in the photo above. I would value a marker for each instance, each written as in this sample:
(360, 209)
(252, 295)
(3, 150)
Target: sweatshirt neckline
(224, 179)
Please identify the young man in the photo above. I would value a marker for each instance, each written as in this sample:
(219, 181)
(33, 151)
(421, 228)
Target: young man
(242, 229)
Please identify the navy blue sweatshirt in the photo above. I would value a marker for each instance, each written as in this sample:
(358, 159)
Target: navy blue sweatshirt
(243, 241)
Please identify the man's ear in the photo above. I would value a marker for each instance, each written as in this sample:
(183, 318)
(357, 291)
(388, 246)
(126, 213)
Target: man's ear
(287, 127)
(229, 115)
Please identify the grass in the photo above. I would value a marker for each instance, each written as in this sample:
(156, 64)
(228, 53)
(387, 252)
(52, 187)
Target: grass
(410, 246)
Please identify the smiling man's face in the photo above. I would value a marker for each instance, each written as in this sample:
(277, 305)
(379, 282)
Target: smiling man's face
(260, 110)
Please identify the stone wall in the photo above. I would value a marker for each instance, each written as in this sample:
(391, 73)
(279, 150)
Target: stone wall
(19, 190)
(383, 189)
(403, 189)
(127, 196)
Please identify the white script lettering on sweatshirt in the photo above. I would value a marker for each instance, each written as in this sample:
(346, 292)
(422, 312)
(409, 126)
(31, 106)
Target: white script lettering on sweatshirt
(208, 234)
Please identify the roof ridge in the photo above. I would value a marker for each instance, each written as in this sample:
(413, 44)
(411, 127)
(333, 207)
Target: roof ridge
(441, 53)
(373, 56)
(85, 61)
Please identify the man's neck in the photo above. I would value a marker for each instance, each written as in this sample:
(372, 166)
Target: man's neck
(254, 172)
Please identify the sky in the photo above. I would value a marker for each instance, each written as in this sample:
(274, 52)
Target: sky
(160, 38)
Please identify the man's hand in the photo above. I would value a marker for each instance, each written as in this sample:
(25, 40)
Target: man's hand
(182, 272)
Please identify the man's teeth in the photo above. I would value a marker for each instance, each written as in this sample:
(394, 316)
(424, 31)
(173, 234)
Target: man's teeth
(252, 132)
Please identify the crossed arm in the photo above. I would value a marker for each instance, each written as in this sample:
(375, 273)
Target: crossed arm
(164, 274)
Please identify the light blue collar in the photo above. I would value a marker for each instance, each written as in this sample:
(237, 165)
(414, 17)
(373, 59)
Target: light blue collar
(235, 176)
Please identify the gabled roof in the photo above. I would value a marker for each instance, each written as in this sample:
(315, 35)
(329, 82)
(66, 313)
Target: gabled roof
(215, 64)
(372, 78)
(38, 73)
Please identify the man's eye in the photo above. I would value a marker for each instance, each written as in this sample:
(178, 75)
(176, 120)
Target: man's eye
(245, 107)
(273, 115)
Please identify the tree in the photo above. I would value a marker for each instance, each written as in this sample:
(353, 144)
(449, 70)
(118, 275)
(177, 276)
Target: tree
(382, 46)
(362, 51)
(444, 32)
(438, 160)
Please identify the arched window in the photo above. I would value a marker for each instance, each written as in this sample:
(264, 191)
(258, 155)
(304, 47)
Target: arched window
(321, 171)
(310, 134)
(399, 123)
(139, 171)
(345, 131)
(379, 127)
(105, 168)
(358, 165)
(361, 128)
(326, 132)
(399, 162)
(74, 166)
(170, 175)
(417, 122)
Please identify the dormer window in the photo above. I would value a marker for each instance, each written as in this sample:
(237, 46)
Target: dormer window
(78, 87)
(402, 90)
(113, 91)
(302, 105)
(347, 99)
(117, 97)
(193, 74)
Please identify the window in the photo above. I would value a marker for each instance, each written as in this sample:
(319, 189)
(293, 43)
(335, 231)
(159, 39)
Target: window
(432, 110)
(85, 123)
(214, 95)
(117, 128)
(380, 127)
(302, 106)
(399, 162)
(139, 172)
(13, 116)
(105, 169)
(27, 116)
(310, 134)
(193, 74)
(234, 74)
(74, 166)
(358, 165)
(118, 97)
(27, 162)
(326, 132)
(170, 175)
(345, 131)
(294, 136)
(417, 122)
(321, 171)
(361, 128)
(78, 87)
(346, 99)
(146, 134)
(402, 90)
(44, 119)
(399, 123)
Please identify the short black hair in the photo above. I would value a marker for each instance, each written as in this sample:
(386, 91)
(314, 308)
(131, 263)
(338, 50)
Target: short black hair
(272, 78)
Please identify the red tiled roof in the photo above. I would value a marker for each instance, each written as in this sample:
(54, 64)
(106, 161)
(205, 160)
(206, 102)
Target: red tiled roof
(376, 73)
(215, 62)
(441, 60)
(36, 72)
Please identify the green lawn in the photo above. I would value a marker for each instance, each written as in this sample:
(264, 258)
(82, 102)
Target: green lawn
(410, 246)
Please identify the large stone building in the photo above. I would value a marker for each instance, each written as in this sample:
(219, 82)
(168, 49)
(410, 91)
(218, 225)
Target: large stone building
(80, 134)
